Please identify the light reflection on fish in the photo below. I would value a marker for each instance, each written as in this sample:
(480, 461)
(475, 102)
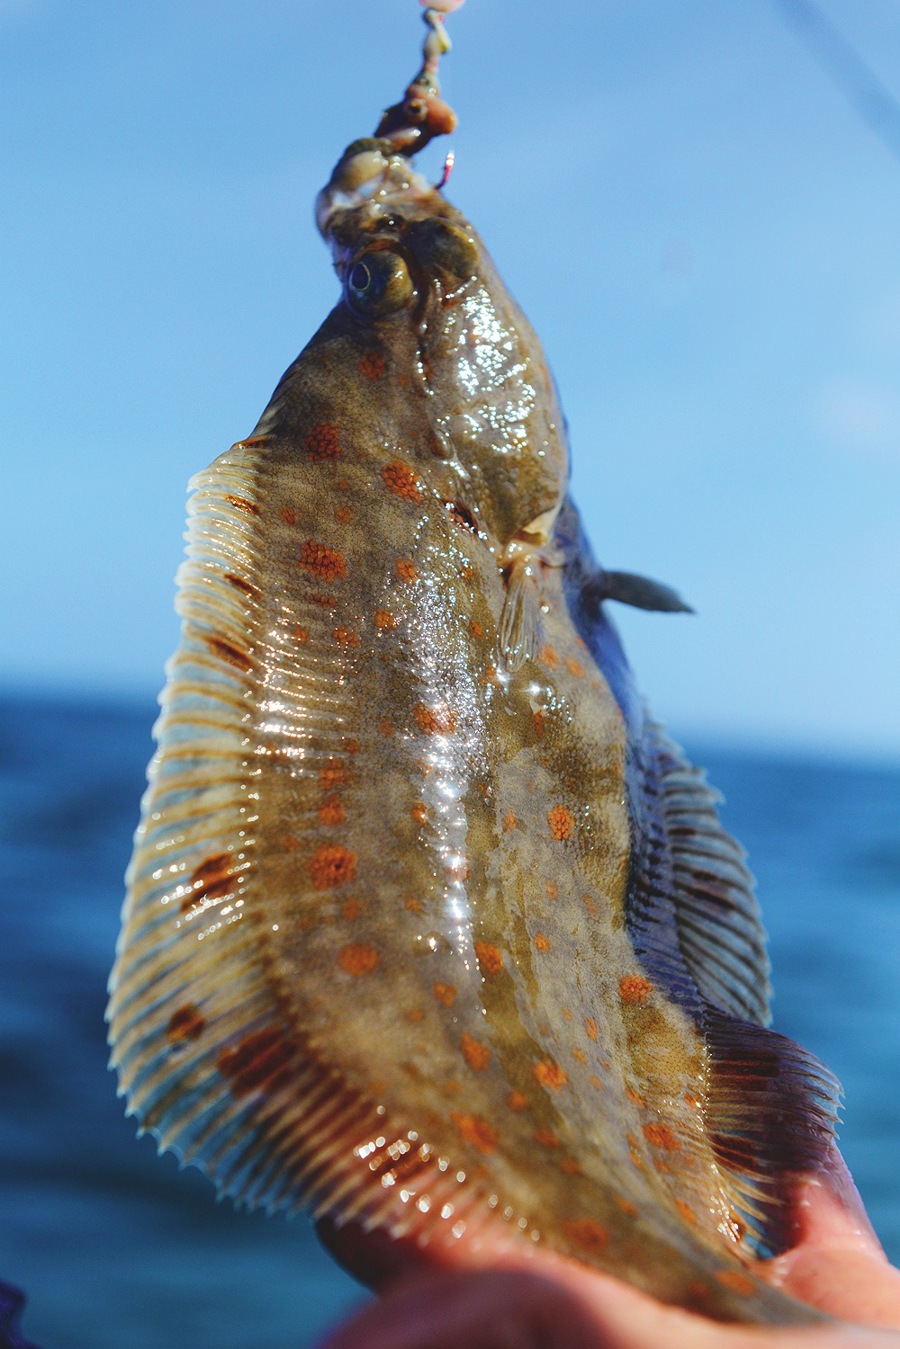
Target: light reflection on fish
(427, 924)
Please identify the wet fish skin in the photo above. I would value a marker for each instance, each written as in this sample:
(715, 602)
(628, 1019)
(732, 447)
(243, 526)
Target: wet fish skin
(427, 926)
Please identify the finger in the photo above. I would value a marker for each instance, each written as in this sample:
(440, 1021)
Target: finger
(560, 1308)
(836, 1261)
(494, 1309)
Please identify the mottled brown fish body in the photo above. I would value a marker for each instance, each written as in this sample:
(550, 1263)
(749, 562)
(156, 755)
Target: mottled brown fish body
(390, 944)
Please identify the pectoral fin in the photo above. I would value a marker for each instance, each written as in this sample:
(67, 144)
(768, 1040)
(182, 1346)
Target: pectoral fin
(520, 622)
(639, 591)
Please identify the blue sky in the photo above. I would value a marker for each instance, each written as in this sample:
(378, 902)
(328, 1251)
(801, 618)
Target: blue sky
(702, 229)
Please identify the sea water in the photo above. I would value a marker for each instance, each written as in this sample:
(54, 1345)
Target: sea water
(118, 1249)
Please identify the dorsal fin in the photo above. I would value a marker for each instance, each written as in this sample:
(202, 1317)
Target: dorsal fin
(720, 929)
(770, 1105)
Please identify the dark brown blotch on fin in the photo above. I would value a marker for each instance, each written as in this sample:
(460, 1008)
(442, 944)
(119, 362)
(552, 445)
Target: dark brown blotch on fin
(212, 879)
(245, 587)
(230, 653)
(185, 1024)
(241, 503)
(263, 1061)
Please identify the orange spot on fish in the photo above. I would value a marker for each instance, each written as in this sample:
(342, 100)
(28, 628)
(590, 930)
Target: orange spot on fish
(537, 721)
(489, 956)
(230, 653)
(561, 822)
(324, 442)
(579, 1055)
(635, 1097)
(736, 1282)
(331, 865)
(575, 668)
(509, 821)
(570, 1166)
(476, 1131)
(351, 909)
(331, 812)
(324, 601)
(476, 630)
(567, 1013)
(345, 637)
(586, 1234)
(596, 1082)
(547, 656)
(476, 1054)
(625, 1206)
(590, 1026)
(405, 570)
(547, 1138)
(372, 364)
(552, 891)
(287, 515)
(333, 774)
(518, 1101)
(253, 441)
(185, 1024)
(434, 720)
(402, 480)
(351, 746)
(300, 634)
(542, 942)
(590, 905)
(445, 994)
(290, 844)
(686, 1212)
(344, 515)
(242, 504)
(321, 561)
(414, 905)
(633, 988)
(419, 811)
(384, 620)
(358, 959)
(693, 1101)
(661, 1136)
(634, 1152)
(415, 1015)
(549, 1074)
(385, 726)
(263, 1060)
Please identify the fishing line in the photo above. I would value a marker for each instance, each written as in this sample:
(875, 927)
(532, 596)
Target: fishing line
(842, 63)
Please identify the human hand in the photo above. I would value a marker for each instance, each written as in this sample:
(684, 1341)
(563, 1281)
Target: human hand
(524, 1299)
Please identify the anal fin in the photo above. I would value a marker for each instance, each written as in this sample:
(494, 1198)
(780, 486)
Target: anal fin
(771, 1109)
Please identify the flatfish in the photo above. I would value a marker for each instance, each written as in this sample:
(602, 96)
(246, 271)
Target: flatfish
(428, 924)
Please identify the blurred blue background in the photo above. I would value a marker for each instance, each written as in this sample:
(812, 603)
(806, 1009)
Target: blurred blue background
(703, 228)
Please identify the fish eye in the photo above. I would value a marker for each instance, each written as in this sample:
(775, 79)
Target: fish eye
(379, 283)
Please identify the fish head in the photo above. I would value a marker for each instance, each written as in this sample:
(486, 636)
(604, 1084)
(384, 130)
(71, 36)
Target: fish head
(420, 289)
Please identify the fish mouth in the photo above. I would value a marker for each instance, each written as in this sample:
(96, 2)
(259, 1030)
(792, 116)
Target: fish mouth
(370, 172)
(379, 167)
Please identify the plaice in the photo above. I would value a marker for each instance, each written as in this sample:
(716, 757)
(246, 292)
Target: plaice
(428, 925)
